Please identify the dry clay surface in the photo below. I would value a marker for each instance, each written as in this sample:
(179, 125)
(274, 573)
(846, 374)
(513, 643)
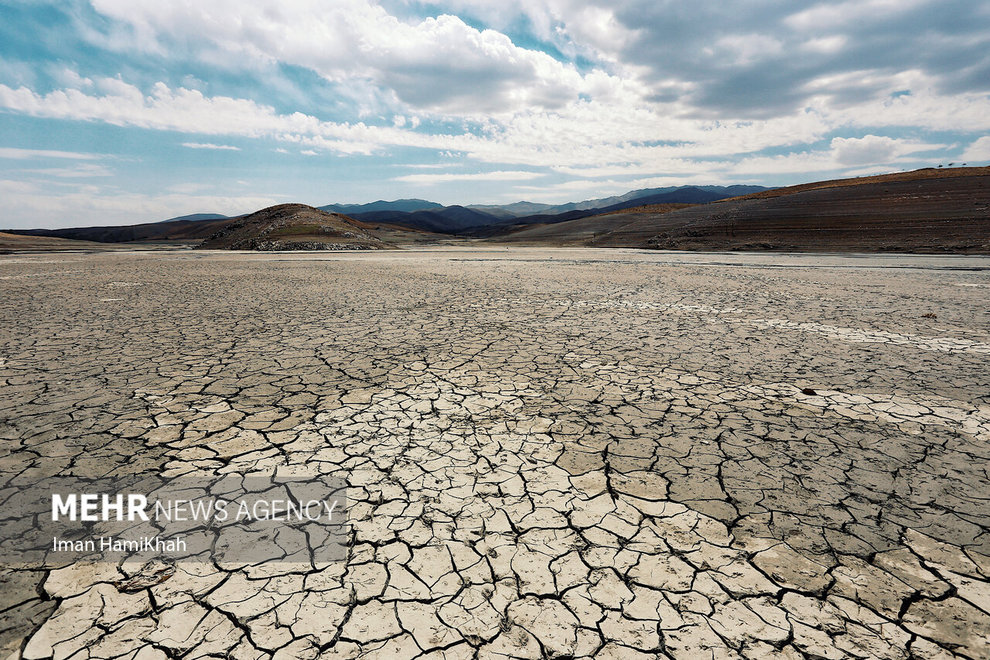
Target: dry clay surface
(550, 453)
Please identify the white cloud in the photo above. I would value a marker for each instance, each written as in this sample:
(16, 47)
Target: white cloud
(32, 205)
(844, 154)
(745, 49)
(654, 167)
(576, 27)
(864, 150)
(71, 78)
(924, 108)
(587, 138)
(677, 59)
(425, 166)
(977, 152)
(439, 63)
(23, 154)
(832, 15)
(617, 138)
(827, 45)
(11, 187)
(210, 145)
(81, 171)
(448, 177)
(188, 111)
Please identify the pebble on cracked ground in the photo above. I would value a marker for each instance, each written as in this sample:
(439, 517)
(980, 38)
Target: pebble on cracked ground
(548, 453)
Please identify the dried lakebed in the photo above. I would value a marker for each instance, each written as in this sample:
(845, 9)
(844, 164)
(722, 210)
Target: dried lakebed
(549, 453)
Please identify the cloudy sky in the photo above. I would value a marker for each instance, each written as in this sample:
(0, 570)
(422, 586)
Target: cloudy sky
(119, 111)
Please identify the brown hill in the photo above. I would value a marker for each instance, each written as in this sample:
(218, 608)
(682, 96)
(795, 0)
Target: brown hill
(20, 243)
(579, 232)
(922, 211)
(180, 229)
(293, 227)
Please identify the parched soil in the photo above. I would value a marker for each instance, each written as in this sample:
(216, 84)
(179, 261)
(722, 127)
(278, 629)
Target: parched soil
(548, 453)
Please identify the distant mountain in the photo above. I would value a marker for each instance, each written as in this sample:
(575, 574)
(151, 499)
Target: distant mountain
(490, 220)
(418, 214)
(403, 205)
(720, 192)
(689, 195)
(683, 196)
(179, 229)
(524, 209)
(445, 219)
(515, 210)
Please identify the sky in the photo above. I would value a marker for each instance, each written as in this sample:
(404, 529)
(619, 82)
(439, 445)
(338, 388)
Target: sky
(127, 111)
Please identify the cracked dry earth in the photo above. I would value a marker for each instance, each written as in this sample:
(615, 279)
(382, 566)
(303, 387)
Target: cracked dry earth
(549, 453)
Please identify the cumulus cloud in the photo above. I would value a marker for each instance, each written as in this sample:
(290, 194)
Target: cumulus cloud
(743, 60)
(978, 151)
(864, 150)
(585, 136)
(437, 63)
(651, 61)
(188, 111)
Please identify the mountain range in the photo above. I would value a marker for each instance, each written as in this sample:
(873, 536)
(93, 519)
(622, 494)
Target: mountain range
(398, 205)
(927, 210)
(521, 209)
(479, 220)
(417, 214)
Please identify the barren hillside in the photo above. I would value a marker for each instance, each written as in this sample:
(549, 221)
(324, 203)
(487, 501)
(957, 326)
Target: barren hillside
(293, 227)
(922, 211)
